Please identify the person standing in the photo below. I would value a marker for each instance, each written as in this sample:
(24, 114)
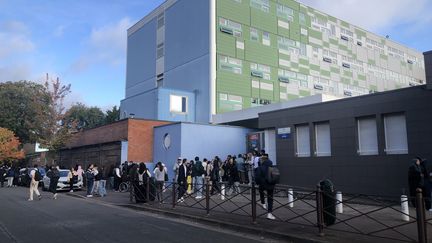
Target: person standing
(182, 180)
(35, 177)
(54, 176)
(117, 177)
(90, 180)
(72, 178)
(264, 185)
(176, 168)
(240, 163)
(102, 183)
(97, 179)
(80, 172)
(159, 174)
(215, 175)
(3, 174)
(10, 176)
(198, 174)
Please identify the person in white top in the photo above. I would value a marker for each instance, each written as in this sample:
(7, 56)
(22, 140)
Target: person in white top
(159, 174)
(34, 183)
(117, 177)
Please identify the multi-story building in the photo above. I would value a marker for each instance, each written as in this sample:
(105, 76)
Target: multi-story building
(191, 59)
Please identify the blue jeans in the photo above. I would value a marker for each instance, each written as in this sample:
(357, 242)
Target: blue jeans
(89, 186)
(102, 190)
(198, 180)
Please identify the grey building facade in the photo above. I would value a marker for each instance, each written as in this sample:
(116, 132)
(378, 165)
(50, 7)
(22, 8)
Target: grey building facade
(363, 144)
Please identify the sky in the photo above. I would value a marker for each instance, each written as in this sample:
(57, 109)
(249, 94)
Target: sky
(84, 42)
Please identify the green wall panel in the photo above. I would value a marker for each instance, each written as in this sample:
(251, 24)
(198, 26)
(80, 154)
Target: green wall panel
(258, 53)
(235, 11)
(264, 21)
(226, 44)
(231, 83)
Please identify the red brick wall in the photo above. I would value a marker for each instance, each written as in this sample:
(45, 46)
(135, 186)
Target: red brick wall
(140, 139)
(113, 132)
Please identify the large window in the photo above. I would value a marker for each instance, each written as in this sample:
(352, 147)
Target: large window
(395, 134)
(285, 12)
(302, 141)
(262, 5)
(367, 136)
(230, 27)
(322, 139)
(178, 104)
(230, 64)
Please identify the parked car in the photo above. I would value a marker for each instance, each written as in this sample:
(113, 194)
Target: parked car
(24, 176)
(63, 183)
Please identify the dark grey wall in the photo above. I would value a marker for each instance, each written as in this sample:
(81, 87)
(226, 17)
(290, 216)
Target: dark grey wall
(428, 68)
(378, 174)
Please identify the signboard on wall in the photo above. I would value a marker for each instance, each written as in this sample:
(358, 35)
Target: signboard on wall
(284, 132)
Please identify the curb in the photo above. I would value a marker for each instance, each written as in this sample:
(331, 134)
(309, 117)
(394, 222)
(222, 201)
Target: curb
(224, 224)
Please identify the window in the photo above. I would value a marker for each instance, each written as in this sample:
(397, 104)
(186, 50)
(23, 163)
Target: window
(160, 50)
(302, 18)
(230, 64)
(262, 5)
(178, 104)
(395, 134)
(302, 141)
(367, 136)
(322, 139)
(240, 45)
(160, 20)
(230, 27)
(261, 71)
(266, 38)
(285, 12)
(254, 34)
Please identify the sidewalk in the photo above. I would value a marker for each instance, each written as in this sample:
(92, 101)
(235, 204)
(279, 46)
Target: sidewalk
(234, 214)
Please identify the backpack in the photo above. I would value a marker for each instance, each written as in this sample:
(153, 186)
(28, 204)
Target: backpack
(273, 175)
(199, 169)
(37, 176)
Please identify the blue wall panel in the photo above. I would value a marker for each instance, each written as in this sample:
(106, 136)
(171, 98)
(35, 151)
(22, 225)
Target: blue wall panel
(142, 105)
(164, 106)
(167, 156)
(141, 55)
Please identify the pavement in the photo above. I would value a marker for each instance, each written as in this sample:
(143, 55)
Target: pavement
(295, 224)
(72, 219)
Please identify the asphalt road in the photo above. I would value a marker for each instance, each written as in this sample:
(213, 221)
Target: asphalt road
(70, 219)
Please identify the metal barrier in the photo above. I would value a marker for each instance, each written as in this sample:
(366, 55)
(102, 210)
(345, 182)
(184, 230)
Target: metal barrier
(366, 215)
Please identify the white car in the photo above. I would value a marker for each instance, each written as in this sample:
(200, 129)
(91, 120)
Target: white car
(63, 183)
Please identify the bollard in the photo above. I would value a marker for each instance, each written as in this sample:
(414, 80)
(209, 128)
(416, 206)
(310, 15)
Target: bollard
(290, 198)
(173, 194)
(223, 191)
(405, 208)
(320, 210)
(421, 217)
(339, 204)
(207, 196)
(253, 202)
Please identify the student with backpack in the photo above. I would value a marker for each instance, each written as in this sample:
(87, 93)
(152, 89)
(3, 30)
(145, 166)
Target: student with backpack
(54, 176)
(267, 176)
(198, 173)
(35, 177)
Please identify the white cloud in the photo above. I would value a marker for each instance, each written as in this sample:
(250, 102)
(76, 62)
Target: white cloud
(376, 16)
(105, 45)
(15, 72)
(14, 39)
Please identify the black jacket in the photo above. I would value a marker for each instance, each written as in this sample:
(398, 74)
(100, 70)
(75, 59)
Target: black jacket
(182, 176)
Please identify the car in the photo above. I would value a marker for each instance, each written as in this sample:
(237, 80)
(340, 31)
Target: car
(63, 184)
(24, 175)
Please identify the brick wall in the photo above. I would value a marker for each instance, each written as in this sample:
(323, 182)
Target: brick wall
(140, 139)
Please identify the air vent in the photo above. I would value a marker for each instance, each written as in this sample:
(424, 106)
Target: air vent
(318, 87)
(412, 84)
(226, 30)
(284, 79)
(326, 59)
(344, 38)
(359, 43)
(345, 65)
(409, 61)
(257, 74)
(347, 93)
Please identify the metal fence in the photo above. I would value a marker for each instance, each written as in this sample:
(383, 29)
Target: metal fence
(361, 214)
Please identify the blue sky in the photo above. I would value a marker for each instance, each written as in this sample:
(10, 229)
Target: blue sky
(84, 42)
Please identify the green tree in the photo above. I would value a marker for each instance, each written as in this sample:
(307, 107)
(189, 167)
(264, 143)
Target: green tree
(55, 134)
(23, 108)
(112, 115)
(80, 117)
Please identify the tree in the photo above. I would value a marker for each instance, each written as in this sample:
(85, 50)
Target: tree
(54, 133)
(9, 146)
(80, 117)
(23, 109)
(112, 115)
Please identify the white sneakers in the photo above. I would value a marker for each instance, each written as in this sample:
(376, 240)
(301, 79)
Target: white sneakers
(180, 200)
(55, 196)
(271, 216)
(89, 195)
(264, 206)
(198, 197)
